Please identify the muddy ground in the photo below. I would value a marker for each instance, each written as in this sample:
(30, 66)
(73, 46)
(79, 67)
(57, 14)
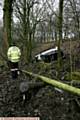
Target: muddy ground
(45, 102)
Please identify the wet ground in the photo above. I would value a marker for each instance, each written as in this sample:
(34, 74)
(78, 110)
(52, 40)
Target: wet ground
(47, 103)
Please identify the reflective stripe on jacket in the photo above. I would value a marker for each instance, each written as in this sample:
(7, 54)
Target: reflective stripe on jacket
(14, 54)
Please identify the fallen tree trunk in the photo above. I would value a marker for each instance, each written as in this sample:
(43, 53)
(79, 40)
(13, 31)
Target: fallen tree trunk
(55, 83)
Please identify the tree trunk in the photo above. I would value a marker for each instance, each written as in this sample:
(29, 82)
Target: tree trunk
(7, 18)
(29, 48)
(24, 26)
(29, 35)
(55, 83)
(70, 61)
(60, 21)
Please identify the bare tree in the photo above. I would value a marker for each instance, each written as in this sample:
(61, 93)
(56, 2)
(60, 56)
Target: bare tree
(29, 14)
(7, 18)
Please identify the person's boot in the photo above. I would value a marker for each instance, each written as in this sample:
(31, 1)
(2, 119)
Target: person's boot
(14, 74)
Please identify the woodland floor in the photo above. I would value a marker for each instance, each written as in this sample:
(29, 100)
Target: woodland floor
(47, 103)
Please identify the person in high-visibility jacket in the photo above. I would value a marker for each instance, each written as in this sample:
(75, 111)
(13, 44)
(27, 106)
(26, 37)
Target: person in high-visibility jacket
(14, 55)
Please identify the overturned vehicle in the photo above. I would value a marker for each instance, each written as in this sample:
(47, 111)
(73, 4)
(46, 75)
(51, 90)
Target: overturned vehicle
(49, 55)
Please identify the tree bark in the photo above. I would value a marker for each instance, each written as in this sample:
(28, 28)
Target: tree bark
(55, 83)
(7, 18)
(60, 21)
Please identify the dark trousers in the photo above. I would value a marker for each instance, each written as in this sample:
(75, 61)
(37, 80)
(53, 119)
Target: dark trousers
(14, 69)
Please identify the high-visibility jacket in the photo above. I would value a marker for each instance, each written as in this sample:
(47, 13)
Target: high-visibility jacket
(14, 54)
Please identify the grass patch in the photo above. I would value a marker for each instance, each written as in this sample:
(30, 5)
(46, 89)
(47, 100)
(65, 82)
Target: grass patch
(75, 76)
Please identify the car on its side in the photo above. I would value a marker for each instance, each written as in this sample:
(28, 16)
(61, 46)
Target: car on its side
(48, 55)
